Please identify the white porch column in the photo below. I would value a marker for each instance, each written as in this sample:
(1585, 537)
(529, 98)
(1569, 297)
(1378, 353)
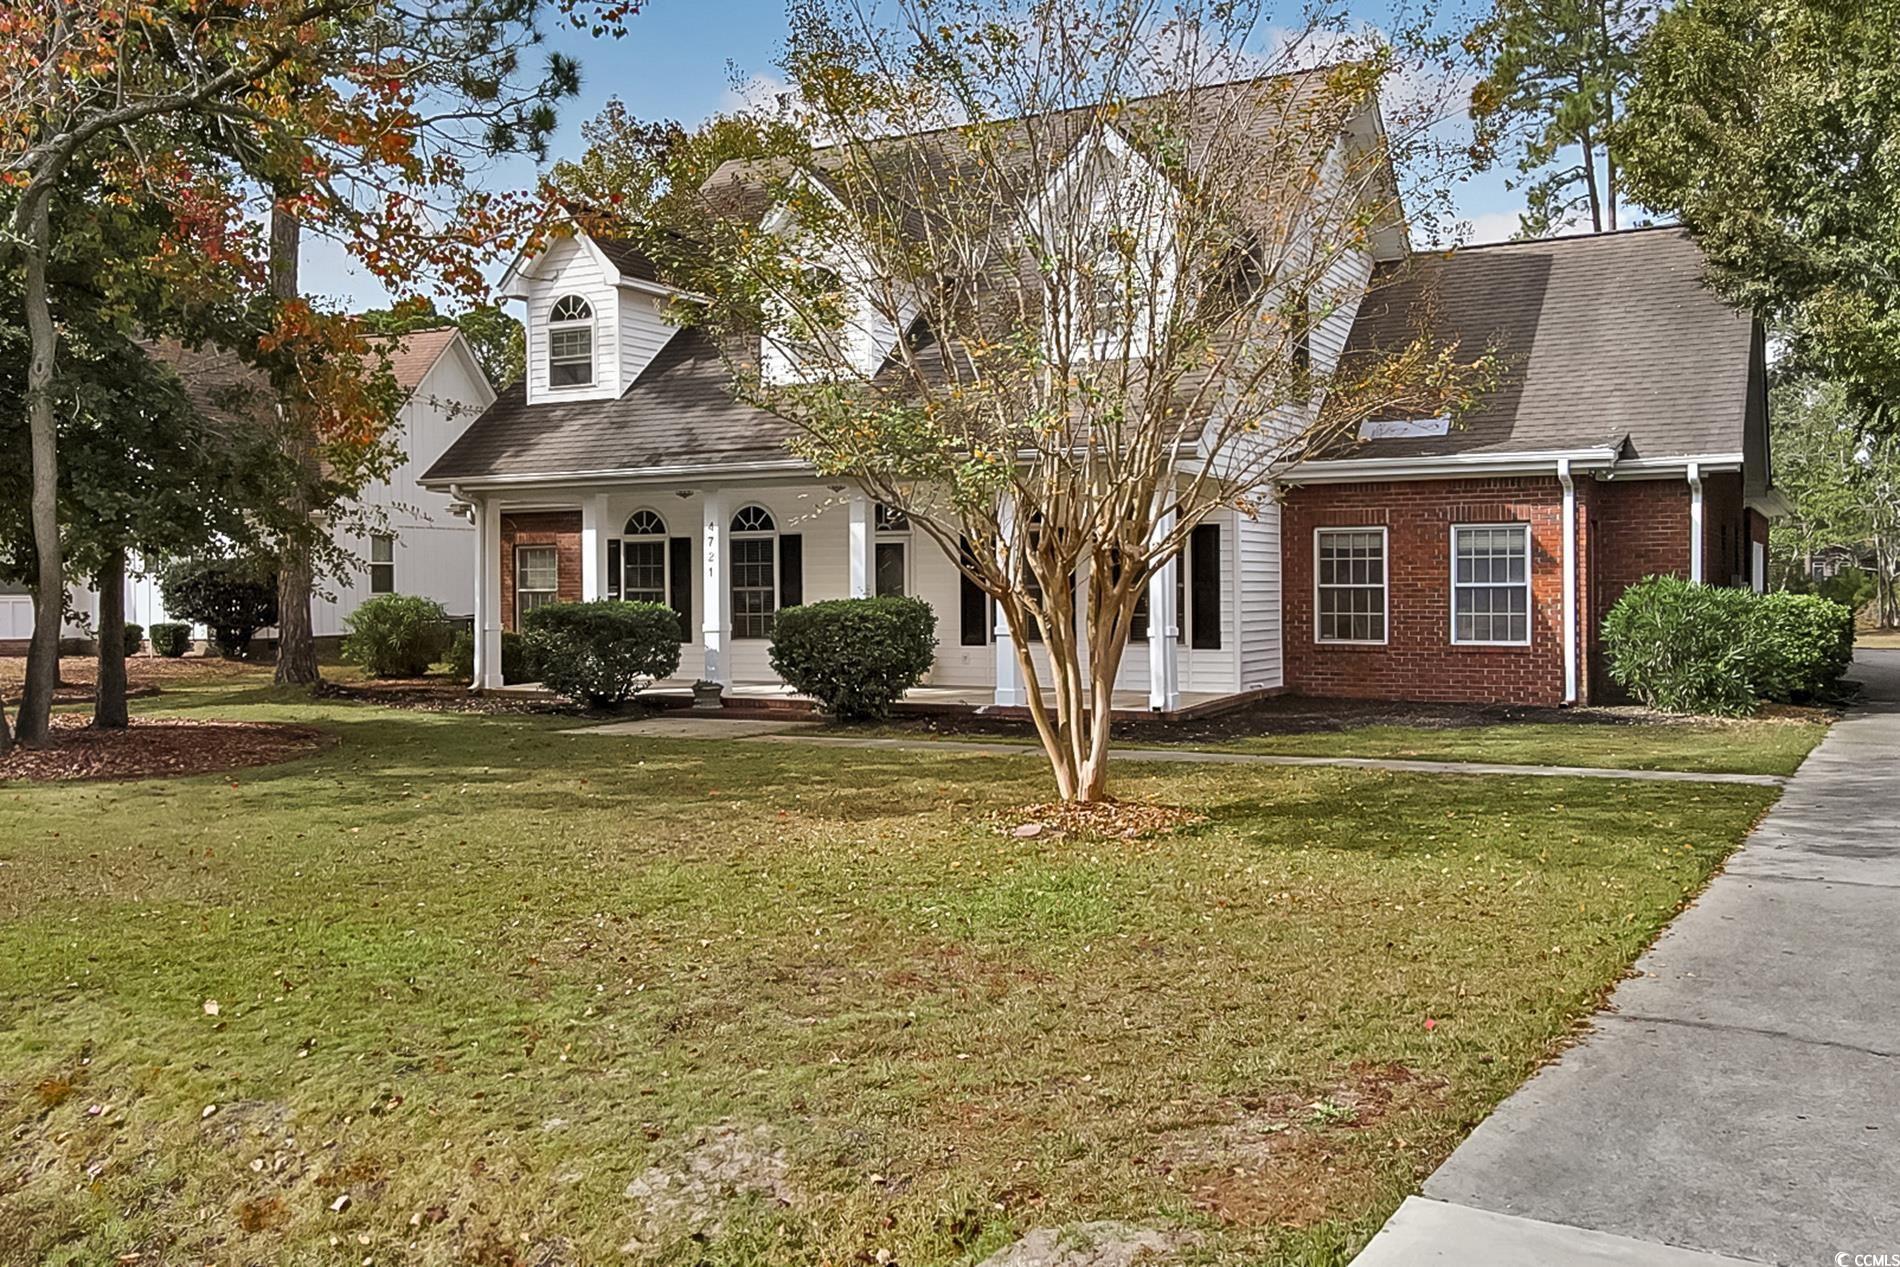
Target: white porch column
(716, 524)
(487, 594)
(863, 546)
(1164, 624)
(594, 533)
(1009, 675)
(1695, 522)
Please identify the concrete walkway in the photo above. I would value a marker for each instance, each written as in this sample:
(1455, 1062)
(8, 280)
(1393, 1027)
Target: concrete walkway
(1741, 1096)
(1199, 756)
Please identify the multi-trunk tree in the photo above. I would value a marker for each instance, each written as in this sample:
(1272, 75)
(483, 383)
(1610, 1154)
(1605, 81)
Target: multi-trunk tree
(1059, 282)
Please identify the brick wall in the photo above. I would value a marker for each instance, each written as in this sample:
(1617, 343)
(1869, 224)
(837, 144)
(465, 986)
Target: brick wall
(561, 529)
(1419, 660)
(1626, 530)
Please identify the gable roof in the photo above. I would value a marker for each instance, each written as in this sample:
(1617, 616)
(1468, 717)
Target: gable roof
(413, 355)
(1607, 341)
(679, 412)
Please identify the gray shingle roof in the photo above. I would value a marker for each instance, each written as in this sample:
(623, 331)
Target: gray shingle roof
(1605, 341)
(680, 411)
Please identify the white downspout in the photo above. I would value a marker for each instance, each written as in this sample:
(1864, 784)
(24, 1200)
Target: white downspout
(1570, 579)
(1695, 522)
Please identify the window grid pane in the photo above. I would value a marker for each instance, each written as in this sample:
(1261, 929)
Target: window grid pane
(891, 572)
(754, 592)
(537, 578)
(1351, 584)
(1491, 590)
(643, 571)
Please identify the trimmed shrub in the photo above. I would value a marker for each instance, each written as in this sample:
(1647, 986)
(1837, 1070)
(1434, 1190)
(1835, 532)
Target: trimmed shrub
(1802, 644)
(134, 638)
(514, 658)
(396, 635)
(234, 598)
(855, 656)
(1683, 647)
(602, 652)
(171, 638)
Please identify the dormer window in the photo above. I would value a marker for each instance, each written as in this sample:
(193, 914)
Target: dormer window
(571, 342)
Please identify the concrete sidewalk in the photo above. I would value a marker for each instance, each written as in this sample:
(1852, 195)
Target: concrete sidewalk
(1741, 1096)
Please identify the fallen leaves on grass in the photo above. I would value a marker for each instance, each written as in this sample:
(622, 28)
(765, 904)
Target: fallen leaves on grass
(155, 748)
(1104, 820)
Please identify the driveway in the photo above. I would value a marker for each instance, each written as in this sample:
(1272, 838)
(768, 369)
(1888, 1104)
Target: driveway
(1741, 1096)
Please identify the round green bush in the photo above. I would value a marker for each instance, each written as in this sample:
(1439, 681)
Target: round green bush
(602, 652)
(1683, 647)
(233, 598)
(855, 656)
(396, 635)
(514, 657)
(1803, 644)
(134, 638)
(171, 638)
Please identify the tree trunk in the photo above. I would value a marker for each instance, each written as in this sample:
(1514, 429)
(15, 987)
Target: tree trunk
(109, 709)
(296, 635)
(1590, 181)
(49, 597)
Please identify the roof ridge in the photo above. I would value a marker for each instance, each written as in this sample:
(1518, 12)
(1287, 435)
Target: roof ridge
(1593, 235)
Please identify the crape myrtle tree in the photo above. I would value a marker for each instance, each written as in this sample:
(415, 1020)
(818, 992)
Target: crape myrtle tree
(1055, 279)
(359, 116)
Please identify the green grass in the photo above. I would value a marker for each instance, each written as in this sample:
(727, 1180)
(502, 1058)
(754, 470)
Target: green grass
(479, 975)
(1756, 746)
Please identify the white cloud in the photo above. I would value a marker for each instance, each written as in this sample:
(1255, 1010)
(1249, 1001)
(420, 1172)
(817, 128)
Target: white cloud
(1490, 226)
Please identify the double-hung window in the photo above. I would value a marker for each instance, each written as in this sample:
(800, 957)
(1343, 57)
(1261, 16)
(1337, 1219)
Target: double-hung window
(570, 342)
(754, 572)
(1349, 575)
(643, 559)
(382, 564)
(892, 552)
(537, 578)
(1491, 584)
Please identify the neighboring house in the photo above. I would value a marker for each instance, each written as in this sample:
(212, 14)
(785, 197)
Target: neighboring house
(421, 546)
(1627, 436)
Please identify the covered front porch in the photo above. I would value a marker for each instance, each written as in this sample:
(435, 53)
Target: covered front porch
(727, 555)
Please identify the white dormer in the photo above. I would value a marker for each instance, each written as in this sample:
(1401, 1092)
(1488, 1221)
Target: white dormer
(592, 325)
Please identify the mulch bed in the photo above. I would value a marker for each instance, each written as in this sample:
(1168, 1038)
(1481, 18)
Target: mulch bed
(158, 748)
(433, 695)
(1099, 820)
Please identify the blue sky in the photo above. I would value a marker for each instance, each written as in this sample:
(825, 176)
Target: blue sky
(680, 60)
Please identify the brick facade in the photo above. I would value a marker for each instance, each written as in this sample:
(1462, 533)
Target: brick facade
(561, 529)
(1626, 530)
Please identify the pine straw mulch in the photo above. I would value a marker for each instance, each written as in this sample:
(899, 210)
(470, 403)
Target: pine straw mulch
(158, 748)
(433, 695)
(1099, 820)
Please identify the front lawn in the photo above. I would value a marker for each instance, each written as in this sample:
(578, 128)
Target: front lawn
(467, 989)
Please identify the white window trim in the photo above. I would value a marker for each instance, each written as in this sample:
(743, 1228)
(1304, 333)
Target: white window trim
(1530, 610)
(1385, 585)
(666, 555)
(778, 572)
(375, 563)
(590, 322)
(520, 614)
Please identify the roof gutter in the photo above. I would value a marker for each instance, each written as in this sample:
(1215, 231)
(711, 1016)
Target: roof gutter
(1454, 466)
(623, 475)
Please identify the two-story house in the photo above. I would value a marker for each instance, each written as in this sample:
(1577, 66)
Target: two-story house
(1416, 559)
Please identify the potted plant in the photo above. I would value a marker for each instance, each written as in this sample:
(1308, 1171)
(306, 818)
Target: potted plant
(708, 696)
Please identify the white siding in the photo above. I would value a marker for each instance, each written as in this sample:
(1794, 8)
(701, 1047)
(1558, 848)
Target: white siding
(568, 267)
(644, 330)
(1260, 599)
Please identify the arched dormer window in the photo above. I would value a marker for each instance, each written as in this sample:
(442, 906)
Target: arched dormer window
(643, 550)
(570, 342)
(754, 572)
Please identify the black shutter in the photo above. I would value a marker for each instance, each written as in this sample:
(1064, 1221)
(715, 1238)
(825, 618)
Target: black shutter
(613, 567)
(972, 604)
(791, 570)
(679, 566)
(1205, 564)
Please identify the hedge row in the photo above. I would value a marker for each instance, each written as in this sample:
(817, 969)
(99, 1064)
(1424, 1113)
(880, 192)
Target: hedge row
(1688, 648)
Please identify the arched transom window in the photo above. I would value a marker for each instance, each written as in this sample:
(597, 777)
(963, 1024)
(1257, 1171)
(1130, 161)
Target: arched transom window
(570, 342)
(754, 572)
(643, 558)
